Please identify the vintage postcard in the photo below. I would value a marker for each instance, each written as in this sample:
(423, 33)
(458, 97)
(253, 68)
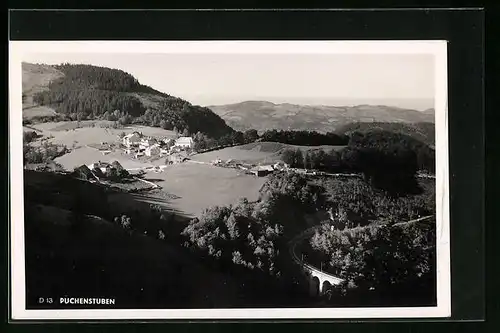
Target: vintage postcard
(228, 180)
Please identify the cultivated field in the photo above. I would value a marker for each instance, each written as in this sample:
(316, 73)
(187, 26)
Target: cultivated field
(198, 186)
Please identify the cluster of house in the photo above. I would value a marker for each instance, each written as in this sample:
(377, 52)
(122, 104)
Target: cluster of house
(258, 170)
(139, 145)
(264, 170)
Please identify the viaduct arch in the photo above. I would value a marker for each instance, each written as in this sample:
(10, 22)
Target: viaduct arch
(319, 281)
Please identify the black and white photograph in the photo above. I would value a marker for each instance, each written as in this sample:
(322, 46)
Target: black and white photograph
(229, 179)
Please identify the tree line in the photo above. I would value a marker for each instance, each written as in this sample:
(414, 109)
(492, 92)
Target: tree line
(387, 160)
(204, 142)
(305, 138)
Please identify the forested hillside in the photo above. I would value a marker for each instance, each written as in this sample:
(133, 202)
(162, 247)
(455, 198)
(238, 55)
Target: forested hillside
(91, 92)
(423, 131)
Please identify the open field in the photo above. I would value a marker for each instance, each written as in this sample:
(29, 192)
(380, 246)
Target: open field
(258, 152)
(199, 186)
(38, 111)
(77, 134)
(236, 153)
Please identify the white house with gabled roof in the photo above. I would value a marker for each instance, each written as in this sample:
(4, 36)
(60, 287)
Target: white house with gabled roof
(185, 142)
(131, 139)
(153, 150)
(147, 142)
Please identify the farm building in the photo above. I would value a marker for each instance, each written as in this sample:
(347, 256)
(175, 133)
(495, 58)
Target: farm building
(103, 166)
(147, 142)
(131, 139)
(83, 172)
(177, 158)
(152, 150)
(262, 171)
(185, 142)
(281, 166)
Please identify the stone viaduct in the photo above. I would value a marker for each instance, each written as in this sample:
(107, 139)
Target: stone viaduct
(319, 281)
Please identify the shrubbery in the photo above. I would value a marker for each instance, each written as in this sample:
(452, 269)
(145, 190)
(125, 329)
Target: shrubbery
(156, 223)
(240, 235)
(42, 154)
(202, 142)
(30, 136)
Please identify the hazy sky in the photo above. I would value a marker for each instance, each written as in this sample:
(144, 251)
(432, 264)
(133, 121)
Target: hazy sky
(205, 79)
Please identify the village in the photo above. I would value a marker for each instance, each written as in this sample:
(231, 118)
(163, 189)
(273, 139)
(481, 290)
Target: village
(164, 167)
(144, 148)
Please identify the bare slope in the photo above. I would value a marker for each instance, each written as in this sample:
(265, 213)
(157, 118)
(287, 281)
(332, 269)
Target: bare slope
(36, 78)
(263, 115)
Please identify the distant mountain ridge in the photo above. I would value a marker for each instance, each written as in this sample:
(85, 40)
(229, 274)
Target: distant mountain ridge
(264, 115)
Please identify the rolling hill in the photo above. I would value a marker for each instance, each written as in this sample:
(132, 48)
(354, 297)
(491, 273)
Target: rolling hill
(81, 92)
(263, 115)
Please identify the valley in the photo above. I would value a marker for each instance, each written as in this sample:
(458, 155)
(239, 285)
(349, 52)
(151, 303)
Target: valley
(167, 204)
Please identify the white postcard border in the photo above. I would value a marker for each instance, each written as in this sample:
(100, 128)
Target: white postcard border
(17, 283)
